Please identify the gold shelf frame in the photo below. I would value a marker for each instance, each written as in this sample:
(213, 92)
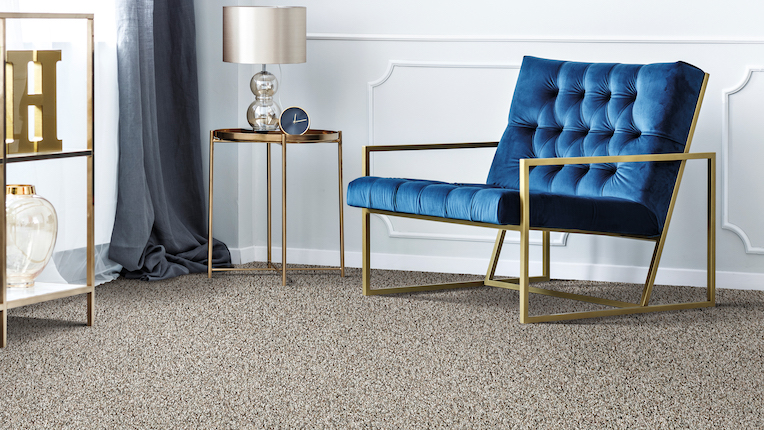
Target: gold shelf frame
(51, 291)
(522, 283)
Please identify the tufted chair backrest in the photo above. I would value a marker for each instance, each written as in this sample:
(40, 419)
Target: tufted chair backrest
(569, 109)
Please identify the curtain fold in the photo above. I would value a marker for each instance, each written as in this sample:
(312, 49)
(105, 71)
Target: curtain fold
(160, 229)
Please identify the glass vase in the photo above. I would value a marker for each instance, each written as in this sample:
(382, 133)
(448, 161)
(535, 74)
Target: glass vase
(31, 228)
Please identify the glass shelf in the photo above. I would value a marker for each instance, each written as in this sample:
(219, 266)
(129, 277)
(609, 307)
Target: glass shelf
(41, 292)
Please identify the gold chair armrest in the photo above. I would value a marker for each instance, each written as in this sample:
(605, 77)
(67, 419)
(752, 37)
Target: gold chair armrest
(367, 150)
(527, 163)
(674, 156)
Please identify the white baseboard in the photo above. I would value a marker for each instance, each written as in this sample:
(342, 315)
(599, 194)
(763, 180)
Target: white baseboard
(593, 272)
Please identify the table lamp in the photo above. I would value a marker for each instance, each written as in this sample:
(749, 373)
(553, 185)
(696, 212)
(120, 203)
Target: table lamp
(264, 35)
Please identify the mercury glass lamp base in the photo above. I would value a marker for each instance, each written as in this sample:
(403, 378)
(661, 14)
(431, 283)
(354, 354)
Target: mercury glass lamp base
(263, 114)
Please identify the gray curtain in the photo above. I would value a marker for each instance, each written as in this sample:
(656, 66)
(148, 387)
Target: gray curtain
(160, 230)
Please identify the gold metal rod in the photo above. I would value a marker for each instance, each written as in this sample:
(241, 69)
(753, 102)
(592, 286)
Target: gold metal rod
(545, 256)
(268, 194)
(662, 241)
(516, 281)
(495, 255)
(694, 123)
(503, 226)
(91, 307)
(419, 288)
(283, 209)
(446, 220)
(421, 146)
(640, 158)
(90, 259)
(657, 252)
(560, 294)
(366, 161)
(249, 269)
(342, 221)
(524, 239)
(651, 274)
(209, 215)
(90, 84)
(245, 269)
(365, 252)
(711, 232)
(3, 326)
(619, 311)
(3, 262)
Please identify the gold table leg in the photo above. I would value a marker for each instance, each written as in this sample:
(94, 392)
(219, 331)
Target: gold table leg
(268, 193)
(270, 264)
(209, 218)
(283, 210)
(342, 222)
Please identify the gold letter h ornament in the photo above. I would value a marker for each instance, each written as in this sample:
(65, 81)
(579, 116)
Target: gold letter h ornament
(30, 110)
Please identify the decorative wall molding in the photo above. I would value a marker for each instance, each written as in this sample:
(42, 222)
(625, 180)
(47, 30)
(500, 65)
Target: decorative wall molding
(393, 64)
(391, 231)
(349, 37)
(726, 223)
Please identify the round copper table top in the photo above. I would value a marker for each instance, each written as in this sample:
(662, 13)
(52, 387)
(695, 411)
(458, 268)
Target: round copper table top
(246, 135)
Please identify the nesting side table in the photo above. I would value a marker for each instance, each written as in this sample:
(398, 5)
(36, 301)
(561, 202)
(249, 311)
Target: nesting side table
(239, 135)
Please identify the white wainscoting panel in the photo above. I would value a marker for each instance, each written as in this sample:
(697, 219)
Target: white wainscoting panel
(742, 155)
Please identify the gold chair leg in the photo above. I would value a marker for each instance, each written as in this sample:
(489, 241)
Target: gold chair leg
(366, 252)
(525, 225)
(495, 255)
(366, 268)
(651, 273)
(546, 244)
(711, 233)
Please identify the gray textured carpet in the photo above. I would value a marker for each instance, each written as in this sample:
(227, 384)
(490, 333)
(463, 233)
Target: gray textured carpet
(241, 351)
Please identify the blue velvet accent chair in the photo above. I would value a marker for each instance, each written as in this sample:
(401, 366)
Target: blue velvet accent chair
(589, 148)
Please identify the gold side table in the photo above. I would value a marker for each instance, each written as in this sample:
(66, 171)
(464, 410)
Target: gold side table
(276, 137)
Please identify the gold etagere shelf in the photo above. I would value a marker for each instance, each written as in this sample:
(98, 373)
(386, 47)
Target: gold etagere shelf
(41, 292)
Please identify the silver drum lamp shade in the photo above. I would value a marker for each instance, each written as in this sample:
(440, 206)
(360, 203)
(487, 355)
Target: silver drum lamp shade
(264, 35)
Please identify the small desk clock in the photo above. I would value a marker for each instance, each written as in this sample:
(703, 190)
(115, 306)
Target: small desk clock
(294, 120)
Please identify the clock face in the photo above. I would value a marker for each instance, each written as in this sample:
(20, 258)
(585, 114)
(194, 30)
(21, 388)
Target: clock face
(294, 120)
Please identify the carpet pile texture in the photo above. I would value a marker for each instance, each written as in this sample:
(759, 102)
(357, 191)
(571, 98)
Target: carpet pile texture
(241, 351)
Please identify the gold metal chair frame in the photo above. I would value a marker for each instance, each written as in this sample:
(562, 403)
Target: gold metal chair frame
(522, 283)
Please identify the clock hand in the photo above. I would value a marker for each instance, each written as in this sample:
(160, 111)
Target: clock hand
(301, 120)
(295, 118)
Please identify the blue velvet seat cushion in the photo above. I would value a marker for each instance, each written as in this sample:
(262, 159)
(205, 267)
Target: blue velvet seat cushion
(496, 205)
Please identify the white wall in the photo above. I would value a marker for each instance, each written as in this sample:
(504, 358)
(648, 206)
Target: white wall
(429, 71)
